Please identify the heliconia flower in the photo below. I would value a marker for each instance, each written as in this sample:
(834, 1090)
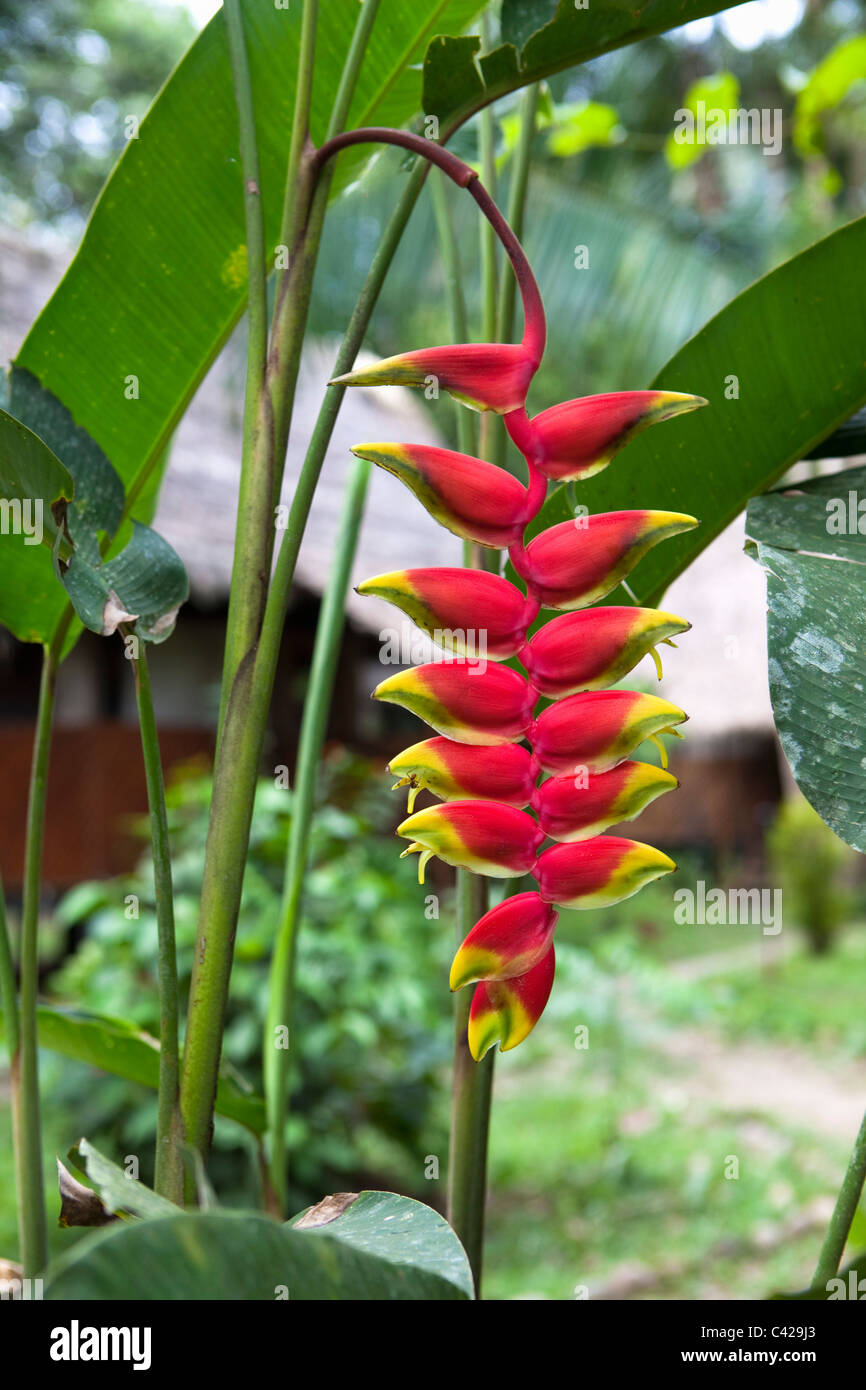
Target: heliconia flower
(506, 1011)
(577, 808)
(458, 772)
(595, 647)
(483, 836)
(579, 438)
(597, 730)
(507, 941)
(464, 701)
(598, 872)
(469, 497)
(484, 376)
(576, 563)
(469, 612)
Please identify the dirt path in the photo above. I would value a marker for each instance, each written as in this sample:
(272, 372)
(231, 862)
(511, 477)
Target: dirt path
(768, 1079)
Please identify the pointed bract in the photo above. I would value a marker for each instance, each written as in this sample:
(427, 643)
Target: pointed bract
(467, 612)
(577, 808)
(458, 771)
(484, 376)
(506, 1011)
(473, 499)
(578, 562)
(507, 941)
(599, 729)
(483, 836)
(464, 700)
(594, 648)
(598, 872)
(579, 438)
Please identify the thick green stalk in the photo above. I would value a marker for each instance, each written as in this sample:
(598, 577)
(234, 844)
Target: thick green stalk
(317, 704)
(251, 562)
(11, 1029)
(25, 1071)
(300, 121)
(8, 984)
(243, 736)
(515, 216)
(450, 254)
(168, 1179)
(472, 1093)
(843, 1214)
(303, 219)
(489, 243)
(472, 1090)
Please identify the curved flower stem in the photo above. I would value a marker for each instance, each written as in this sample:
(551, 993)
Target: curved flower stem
(464, 176)
(317, 703)
(843, 1214)
(168, 1179)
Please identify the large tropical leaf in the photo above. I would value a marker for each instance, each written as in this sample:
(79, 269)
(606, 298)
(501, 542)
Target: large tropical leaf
(811, 543)
(160, 277)
(781, 366)
(543, 37)
(124, 1050)
(382, 1247)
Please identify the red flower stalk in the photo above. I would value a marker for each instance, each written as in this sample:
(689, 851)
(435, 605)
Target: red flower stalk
(483, 836)
(464, 700)
(482, 711)
(506, 1011)
(598, 872)
(595, 647)
(506, 942)
(579, 807)
(473, 499)
(484, 376)
(579, 438)
(595, 731)
(448, 604)
(578, 562)
(461, 772)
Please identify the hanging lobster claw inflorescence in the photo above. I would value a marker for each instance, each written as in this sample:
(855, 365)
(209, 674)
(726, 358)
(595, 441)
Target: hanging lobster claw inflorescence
(495, 807)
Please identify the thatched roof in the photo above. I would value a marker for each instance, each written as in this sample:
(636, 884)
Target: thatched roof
(718, 672)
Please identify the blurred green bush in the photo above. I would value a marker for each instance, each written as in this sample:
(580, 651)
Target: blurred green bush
(814, 870)
(372, 1001)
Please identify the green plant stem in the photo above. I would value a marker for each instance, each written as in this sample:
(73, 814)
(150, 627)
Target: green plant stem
(25, 1071)
(303, 220)
(515, 215)
(168, 1179)
(292, 208)
(251, 562)
(8, 984)
(326, 654)
(466, 441)
(489, 242)
(243, 735)
(843, 1214)
(471, 1095)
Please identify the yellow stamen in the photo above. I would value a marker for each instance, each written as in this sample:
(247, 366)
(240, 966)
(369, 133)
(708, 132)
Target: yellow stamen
(658, 661)
(663, 754)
